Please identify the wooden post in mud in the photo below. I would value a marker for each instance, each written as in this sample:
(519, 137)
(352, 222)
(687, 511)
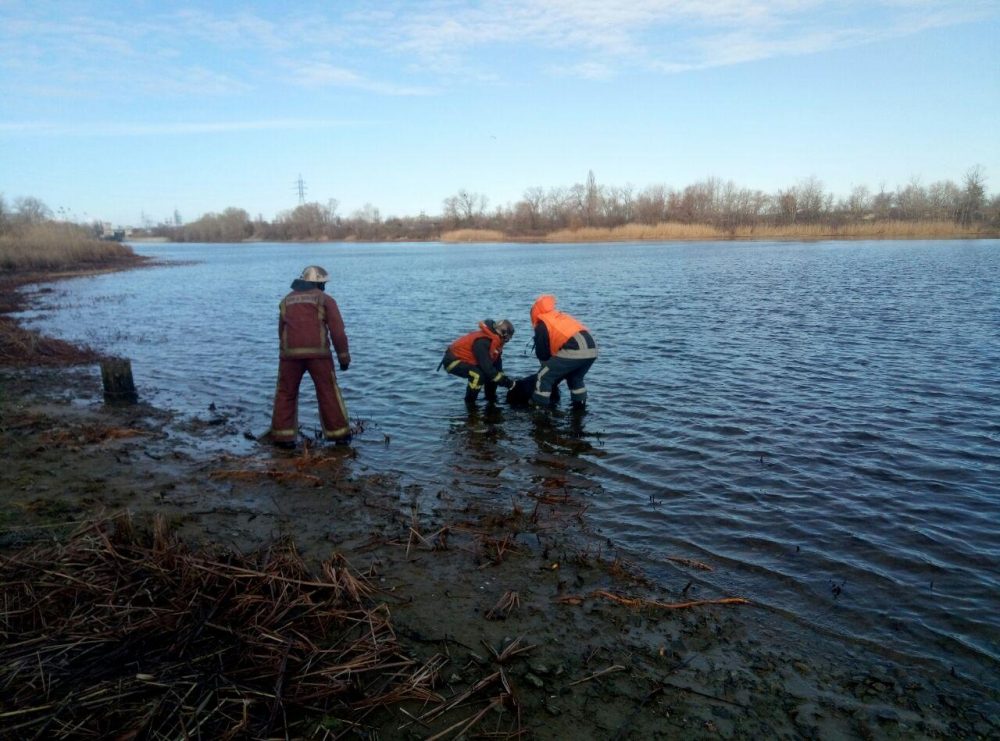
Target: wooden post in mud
(119, 388)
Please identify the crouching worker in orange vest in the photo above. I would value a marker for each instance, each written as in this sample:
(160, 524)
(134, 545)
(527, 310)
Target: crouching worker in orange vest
(565, 349)
(478, 357)
(308, 320)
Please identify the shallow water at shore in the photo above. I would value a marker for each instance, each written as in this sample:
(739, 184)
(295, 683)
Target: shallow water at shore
(817, 421)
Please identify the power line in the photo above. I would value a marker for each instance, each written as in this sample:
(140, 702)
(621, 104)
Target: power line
(301, 186)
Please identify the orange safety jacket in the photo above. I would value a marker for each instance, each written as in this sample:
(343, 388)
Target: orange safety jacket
(561, 327)
(307, 322)
(462, 347)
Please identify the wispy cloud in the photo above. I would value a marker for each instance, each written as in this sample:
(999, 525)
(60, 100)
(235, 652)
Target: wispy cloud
(178, 128)
(585, 70)
(616, 36)
(402, 48)
(324, 74)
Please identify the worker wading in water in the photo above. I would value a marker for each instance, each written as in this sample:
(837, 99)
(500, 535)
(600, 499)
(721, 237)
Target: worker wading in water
(308, 320)
(565, 349)
(478, 356)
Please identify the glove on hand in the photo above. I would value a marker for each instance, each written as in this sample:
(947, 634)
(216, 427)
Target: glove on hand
(345, 362)
(507, 382)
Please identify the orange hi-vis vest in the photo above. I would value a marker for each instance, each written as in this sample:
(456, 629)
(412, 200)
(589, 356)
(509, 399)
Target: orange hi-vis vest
(462, 347)
(560, 326)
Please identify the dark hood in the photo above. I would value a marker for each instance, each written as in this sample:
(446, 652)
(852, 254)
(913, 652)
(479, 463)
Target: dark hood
(307, 285)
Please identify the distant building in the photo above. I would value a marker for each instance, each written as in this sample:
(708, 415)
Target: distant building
(112, 233)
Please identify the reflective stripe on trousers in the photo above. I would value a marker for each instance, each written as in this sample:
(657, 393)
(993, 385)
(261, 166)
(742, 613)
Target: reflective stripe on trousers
(332, 409)
(559, 367)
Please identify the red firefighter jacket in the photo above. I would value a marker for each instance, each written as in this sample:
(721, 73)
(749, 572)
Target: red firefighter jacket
(307, 321)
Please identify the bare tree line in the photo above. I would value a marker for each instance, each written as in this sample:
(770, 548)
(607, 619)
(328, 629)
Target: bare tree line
(712, 201)
(725, 205)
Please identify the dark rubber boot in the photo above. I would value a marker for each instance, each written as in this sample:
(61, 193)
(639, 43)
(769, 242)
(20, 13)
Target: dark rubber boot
(471, 395)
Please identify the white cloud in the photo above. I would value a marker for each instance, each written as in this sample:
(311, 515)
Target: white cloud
(324, 74)
(586, 71)
(204, 51)
(670, 35)
(179, 128)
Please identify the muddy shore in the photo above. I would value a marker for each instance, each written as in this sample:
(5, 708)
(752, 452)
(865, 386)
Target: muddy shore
(613, 656)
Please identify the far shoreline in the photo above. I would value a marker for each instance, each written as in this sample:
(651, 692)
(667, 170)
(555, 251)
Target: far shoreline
(486, 238)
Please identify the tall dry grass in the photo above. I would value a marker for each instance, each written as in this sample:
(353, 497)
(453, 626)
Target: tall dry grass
(637, 233)
(54, 245)
(473, 235)
(666, 231)
(860, 230)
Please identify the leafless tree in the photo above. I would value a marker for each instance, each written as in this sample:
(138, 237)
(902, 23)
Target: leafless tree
(618, 205)
(911, 201)
(858, 202)
(651, 205)
(465, 208)
(973, 196)
(30, 210)
(943, 198)
(591, 200)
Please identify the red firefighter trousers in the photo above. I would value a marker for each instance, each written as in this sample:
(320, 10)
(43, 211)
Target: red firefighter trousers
(332, 410)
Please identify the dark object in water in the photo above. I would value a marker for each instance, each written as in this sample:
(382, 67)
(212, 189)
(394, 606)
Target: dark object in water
(520, 393)
(119, 388)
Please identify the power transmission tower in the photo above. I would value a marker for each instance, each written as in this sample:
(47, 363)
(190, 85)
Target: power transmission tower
(301, 185)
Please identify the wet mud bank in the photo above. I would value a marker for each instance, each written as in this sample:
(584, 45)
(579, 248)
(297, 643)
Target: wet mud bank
(527, 622)
(576, 640)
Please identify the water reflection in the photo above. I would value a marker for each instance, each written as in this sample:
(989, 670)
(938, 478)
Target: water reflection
(479, 431)
(557, 431)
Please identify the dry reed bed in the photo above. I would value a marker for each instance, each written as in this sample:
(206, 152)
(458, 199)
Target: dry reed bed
(853, 230)
(474, 235)
(56, 245)
(117, 634)
(860, 230)
(637, 233)
(668, 231)
(21, 347)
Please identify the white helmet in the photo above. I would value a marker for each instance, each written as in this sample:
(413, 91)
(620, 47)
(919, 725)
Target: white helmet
(314, 274)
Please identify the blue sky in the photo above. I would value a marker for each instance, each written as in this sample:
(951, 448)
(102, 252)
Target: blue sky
(115, 110)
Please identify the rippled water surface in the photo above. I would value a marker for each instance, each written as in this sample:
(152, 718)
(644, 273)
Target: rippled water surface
(806, 417)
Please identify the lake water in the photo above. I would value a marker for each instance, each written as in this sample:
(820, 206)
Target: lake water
(804, 417)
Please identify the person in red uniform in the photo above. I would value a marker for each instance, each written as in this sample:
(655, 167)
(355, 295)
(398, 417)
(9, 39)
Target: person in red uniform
(309, 320)
(565, 349)
(478, 356)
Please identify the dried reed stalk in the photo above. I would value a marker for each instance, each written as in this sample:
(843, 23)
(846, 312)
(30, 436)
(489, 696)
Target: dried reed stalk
(121, 634)
(637, 602)
(690, 563)
(504, 606)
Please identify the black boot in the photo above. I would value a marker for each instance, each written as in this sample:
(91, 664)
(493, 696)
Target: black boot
(491, 393)
(471, 395)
